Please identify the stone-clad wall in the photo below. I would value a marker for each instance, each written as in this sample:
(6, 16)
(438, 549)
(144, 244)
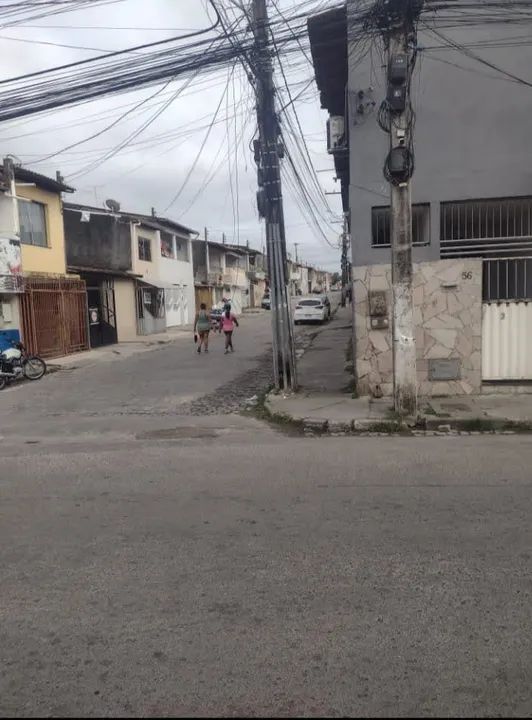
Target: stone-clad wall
(448, 323)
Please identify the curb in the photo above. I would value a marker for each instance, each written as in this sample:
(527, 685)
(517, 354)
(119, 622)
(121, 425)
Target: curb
(396, 428)
(422, 427)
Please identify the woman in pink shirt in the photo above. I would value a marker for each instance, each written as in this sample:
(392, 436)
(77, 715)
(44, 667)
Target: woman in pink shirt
(227, 323)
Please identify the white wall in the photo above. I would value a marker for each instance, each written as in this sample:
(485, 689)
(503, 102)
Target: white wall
(9, 312)
(177, 276)
(9, 226)
(304, 280)
(147, 269)
(236, 297)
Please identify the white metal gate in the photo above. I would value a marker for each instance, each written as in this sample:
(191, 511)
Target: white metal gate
(507, 341)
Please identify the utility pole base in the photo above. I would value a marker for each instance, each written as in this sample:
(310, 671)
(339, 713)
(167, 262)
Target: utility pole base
(404, 347)
(406, 400)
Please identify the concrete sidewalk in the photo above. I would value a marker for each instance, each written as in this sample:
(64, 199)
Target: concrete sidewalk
(325, 403)
(322, 369)
(120, 351)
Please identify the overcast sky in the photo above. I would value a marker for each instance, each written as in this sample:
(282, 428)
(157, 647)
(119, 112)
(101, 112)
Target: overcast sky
(149, 173)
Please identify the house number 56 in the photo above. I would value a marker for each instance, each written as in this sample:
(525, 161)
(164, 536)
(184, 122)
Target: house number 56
(467, 275)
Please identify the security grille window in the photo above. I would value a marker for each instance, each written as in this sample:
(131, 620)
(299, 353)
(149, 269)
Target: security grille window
(145, 249)
(507, 279)
(381, 225)
(486, 228)
(181, 250)
(167, 246)
(32, 217)
(154, 302)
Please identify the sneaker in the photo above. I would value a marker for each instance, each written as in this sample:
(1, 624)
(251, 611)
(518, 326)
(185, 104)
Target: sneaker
(199, 350)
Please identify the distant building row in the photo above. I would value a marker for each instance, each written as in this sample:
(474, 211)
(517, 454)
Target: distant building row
(74, 276)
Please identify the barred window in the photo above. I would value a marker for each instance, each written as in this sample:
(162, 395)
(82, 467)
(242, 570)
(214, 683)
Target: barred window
(167, 245)
(145, 249)
(381, 225)
(507, 279)
(486, 228)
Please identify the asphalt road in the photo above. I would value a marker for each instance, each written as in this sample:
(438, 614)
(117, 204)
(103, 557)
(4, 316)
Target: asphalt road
(156, 561)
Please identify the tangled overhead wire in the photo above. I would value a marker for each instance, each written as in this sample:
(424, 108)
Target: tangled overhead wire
(384, 117)
(120, 71)
(14, 13)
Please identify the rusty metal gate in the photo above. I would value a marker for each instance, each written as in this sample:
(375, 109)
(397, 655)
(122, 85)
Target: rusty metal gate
(54, 316)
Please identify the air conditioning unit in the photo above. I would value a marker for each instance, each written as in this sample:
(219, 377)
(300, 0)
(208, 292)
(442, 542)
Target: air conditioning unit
(335, 133)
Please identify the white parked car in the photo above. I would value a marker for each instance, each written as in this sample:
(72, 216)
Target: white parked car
(311, 309)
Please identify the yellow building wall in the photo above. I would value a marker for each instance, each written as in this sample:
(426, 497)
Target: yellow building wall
(49, 260)
(125, 309)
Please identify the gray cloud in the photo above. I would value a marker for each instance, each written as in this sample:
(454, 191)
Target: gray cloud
(149, 173)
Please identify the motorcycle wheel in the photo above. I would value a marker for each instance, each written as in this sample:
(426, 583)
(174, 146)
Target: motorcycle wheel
(34, 368)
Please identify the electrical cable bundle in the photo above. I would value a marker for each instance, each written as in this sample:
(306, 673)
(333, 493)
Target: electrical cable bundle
(152, 63)
(384, 116)
(186, 59)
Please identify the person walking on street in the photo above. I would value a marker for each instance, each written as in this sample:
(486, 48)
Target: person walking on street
(202, 326)
(228, 324)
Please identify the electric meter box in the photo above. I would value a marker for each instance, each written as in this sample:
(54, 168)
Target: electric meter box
(398, 161)
(398, 69)
(397, 98)
(335, 133)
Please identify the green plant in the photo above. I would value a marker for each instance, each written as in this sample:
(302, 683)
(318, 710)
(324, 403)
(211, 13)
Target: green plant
(283, 422)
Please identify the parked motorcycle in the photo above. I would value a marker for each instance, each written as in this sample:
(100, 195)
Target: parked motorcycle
(16, 363)
(216, 316)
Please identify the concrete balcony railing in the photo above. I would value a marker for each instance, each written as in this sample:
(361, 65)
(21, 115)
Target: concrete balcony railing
(258, 274)
(213, 277)
(235, 276)
(230, 277)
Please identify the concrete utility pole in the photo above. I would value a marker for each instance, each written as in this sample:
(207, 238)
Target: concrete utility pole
(296, 245)
(399, 168)
(271, 203)
(9, 182)
(345, 277)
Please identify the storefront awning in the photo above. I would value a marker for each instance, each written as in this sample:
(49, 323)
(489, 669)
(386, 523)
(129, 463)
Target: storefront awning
(102, 271)
(159, 284)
